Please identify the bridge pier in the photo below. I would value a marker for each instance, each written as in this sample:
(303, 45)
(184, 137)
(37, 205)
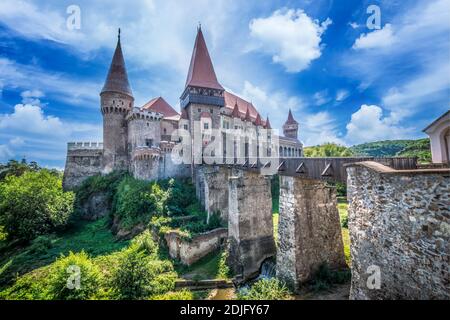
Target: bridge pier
(309, 232)
(250, 225)
(212, 189)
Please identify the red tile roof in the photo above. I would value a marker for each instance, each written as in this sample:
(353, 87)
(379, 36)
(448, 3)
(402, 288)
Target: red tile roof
(231, 100)
(160, 105)
(201, 71)
(117, 79)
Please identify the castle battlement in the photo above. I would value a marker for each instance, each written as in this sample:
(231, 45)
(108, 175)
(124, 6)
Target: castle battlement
(145, 153)
(137, 113)
(84, 145)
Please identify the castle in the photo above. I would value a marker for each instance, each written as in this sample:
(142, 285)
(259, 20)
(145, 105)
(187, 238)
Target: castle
(140, 140)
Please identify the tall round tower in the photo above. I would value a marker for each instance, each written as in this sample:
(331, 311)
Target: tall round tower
(116, 102)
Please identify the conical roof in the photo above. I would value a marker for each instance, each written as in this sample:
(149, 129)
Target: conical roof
(247, 115)
(201, 71)
(258, 121)
(236, 113)
(268, 123)
(290, 119)
(117, 79)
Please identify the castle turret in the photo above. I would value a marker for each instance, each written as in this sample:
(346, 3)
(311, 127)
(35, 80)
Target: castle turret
(116, 102)
(290, 127)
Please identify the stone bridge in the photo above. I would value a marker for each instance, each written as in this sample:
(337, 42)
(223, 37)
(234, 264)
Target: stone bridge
(399, 221)
(309, 225)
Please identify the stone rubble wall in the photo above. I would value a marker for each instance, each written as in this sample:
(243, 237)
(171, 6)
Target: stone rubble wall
(189, 252)
(399, 222)
(309, 230)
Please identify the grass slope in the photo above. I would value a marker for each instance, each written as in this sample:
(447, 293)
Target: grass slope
(93, 237)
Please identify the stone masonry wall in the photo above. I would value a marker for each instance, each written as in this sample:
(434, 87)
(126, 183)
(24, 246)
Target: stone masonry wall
(399, 222)
(212, 189)
(191, 251)
(250, 224)
(81, 164)
(309, 230)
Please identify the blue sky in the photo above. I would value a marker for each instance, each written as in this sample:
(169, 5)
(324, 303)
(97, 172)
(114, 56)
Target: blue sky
(345, 83)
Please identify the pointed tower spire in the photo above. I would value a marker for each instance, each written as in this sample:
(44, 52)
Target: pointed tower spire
(247, 115)
(290, 127)
(258, 121)
(290, 119)
(268, 123)
(236, 113)
(201, 71)
(117, 79)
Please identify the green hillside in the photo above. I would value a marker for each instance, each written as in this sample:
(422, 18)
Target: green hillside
(391, 148)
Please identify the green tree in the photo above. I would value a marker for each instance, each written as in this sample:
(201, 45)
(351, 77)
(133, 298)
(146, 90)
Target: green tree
(139, 275)
(328, 150)
(74, 277)
(33, 204)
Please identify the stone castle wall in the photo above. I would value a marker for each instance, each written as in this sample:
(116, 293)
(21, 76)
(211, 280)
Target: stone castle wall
(141, 130)
(399, 222)
(309, 230)
(83, 160)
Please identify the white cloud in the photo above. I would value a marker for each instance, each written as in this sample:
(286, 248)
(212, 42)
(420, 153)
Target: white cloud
(150, 36)
(376, 39)
(291, 37)
(5, 152)
(431, 86)
(354, 25)
(32, 97)
(66, 88)
(275, 104)
(368, 124)
(32, 133)
(321, 97)
(319, 128)
(341, 95)
(17, 141)
(31, 119)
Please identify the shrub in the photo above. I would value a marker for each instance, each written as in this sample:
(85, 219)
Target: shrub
(325, 278)
(144, 242)
(174, 295)
(132, 203)
(223, 271)
(3, 234)
(138, 276)
(98, 183)
(33, 204)
(266, 289)
(64, 272)
(344, 222)
(31, 286)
